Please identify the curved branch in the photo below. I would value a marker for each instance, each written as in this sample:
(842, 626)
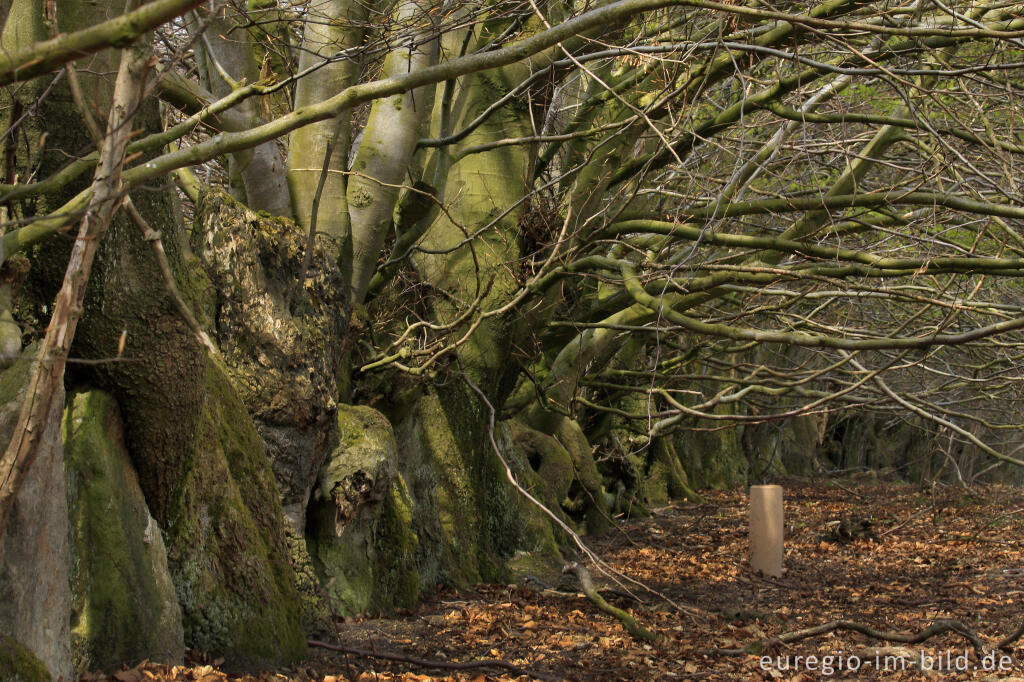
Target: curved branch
(46, 56)
(843, 201)
(663, 307)
(693, 233)
(937, 628)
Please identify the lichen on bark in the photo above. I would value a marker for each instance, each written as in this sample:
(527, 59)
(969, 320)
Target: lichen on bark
(281, 343)
(226, 540)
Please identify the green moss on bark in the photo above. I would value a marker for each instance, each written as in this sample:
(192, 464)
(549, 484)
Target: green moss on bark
(372, 565)
(477, 511)
(19, 664)
(589, 494)
(712, 459)
(226, 541)
(546, 469)
(397, 578)
(549, 479)
(14, 379)
(124, 606)
(468, 518)
(550, 463)
(665, 479)
(315, 609)
(359, 523)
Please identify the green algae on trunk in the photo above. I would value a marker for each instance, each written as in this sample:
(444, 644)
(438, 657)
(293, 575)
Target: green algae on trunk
(19, 664)
(226, 542)
(124, 607)
(359, 525)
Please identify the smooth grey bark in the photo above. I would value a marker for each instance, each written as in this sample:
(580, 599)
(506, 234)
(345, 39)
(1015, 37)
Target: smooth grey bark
(258, 173)
(335, 33)
(389, 141)
(35, 554)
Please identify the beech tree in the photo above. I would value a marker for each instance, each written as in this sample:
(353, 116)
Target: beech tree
(601, 250)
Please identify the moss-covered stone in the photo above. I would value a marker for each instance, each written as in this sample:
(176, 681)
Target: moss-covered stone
(226, 541)
(19, 664)
(124, 606)
(359, 524)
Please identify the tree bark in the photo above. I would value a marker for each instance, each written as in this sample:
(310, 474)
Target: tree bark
(48, 374)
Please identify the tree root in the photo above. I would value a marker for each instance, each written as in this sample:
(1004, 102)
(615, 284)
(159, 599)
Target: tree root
(635, 630)
(428, 663)
(1011, 638)
(936, 628)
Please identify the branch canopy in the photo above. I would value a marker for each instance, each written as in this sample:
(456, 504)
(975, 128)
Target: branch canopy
(48, 55)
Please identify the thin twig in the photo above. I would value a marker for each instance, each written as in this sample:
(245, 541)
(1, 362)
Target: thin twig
(1011, 638)
(901, 525)
(937, 628)
(153, 237)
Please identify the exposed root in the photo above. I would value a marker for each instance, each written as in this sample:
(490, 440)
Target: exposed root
(619, 578)
(636, 630)
(937, 628)
(1007, 641)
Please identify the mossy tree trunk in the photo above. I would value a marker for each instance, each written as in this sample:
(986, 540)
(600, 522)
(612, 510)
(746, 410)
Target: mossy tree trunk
(385, 152)
(200, 464)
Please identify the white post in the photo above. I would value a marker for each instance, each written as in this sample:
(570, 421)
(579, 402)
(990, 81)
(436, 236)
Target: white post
(766, 529)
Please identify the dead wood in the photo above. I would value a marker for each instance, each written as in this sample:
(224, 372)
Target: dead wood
(636, 630)
(937, 628)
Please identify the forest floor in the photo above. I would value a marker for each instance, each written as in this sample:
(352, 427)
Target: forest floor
(937, 553)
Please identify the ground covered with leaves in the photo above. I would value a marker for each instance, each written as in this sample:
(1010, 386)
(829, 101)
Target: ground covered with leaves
(895, 558)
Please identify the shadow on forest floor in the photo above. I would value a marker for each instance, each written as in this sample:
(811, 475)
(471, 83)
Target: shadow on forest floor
(942, 553)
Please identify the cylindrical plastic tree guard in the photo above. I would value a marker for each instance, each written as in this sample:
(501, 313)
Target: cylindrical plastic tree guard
(766, 529)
